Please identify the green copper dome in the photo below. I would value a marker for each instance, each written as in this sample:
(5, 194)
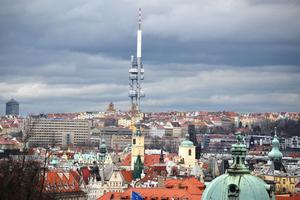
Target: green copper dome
(237, 183)
(275, 153)
(187, 142)
(102, 147)
(240, 186)
(138, 168)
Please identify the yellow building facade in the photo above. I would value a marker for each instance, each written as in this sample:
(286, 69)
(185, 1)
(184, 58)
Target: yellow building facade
(187, 154)
(283, 184)
(137, 148)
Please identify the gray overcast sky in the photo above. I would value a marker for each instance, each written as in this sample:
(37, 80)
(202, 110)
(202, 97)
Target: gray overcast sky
(74, 55)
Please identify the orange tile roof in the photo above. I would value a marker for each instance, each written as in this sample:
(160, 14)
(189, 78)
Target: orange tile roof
(110, 195)
(295, 155)
(85, 174)
(189, 188)
(76, 175)
(205, 166)
(7, 141)
(127, 175)
(153, 172)
(149, 193)
(297, 185)
(191, 184)
(126, 161)
(150, 160)
(56, 181)
(288, 197)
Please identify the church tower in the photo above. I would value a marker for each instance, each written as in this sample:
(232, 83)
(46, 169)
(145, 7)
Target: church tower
(275, 155)
(138, 146)
(187, 152)
(102, 150)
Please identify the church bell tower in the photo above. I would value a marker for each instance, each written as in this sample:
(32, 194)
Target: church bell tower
(138, 146)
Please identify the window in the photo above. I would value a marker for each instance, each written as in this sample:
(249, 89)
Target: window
(238, 160)
(284, 189)
(134, 141)
(190, 152)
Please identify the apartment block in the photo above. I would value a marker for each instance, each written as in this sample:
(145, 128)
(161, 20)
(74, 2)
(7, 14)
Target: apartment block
(46, 132)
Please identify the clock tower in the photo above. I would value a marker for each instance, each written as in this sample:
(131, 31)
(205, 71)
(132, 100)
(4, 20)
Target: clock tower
(138, 146)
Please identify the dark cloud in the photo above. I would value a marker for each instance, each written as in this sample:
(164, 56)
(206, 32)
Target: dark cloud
(222, 55)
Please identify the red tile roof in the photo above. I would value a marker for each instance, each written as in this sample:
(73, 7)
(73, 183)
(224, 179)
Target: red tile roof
(150, 160)
(288, 197)
(85, 174)
(127, 175)
(149, 193)
(56, 182)
(110, 195)
(295, 155)
(76, 175)
(297, 185)
(7, 141)
(126, 161)
(191, 184)
(153, 172)
(205, 166)
(189, 188)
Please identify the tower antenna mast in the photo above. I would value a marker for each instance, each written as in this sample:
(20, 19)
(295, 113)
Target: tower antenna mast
(136, 72)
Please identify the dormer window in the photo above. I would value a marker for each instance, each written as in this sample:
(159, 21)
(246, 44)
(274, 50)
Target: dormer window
(66, 186)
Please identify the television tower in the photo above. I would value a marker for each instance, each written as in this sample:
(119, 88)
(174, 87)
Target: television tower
(136, 72)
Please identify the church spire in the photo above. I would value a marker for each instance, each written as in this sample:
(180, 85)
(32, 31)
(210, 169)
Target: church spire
(275, 153)
(238, 151)
(102, 148)
(138, 168)
(161, 157)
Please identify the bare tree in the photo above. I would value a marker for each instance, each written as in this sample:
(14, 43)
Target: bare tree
(20, 180)
(22, 177)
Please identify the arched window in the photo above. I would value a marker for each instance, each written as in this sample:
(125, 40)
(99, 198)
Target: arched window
(190, 152)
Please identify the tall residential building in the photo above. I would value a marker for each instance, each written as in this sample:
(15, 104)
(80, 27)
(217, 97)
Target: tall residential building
(57, 132)
(12, 107)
